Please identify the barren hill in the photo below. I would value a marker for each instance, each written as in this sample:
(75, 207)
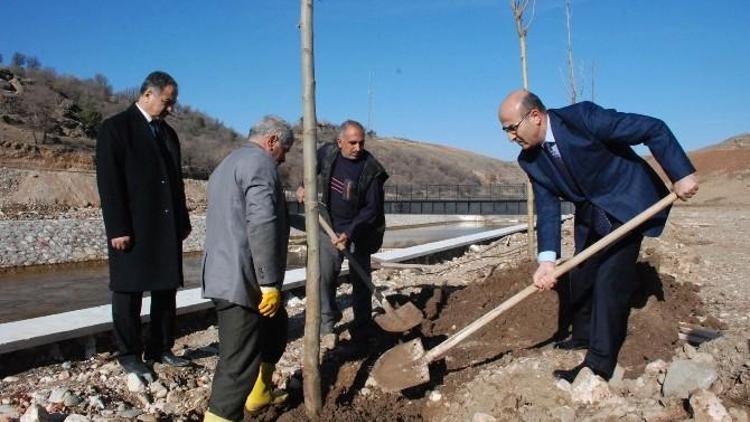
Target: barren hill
(723, 171)
(48, 124)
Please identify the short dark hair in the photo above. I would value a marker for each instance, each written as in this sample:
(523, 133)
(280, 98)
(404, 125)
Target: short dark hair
(531, 101)
(347, 124)
(158, 80)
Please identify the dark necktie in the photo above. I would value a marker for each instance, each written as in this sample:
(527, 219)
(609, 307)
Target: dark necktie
(551, 149)
(599, 219)
(155, 129)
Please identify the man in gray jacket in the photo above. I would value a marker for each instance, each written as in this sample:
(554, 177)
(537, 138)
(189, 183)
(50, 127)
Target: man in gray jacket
(247, 234)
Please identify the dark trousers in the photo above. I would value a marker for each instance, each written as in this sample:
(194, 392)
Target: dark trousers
(330, 268)
(126, 318)
(600, 293)
(245, 340)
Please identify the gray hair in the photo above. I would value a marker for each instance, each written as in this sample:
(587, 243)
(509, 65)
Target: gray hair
(270, 126)
(158, 80)
(347, 124)
(530, 101)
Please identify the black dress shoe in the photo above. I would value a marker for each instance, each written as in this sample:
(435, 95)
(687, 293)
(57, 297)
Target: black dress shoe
(133, 365)
(572, 344)
(168, 358)
(570, 375)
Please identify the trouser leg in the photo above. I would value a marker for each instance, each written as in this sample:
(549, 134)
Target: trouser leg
(361, 294)
(239, 359)
(162, 327)
(581, 287)
(330, 268)
(616, 281)
(126, 322)
(273, 336)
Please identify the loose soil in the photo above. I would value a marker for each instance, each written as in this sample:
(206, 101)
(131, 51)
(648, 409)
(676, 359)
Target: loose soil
(525, 330)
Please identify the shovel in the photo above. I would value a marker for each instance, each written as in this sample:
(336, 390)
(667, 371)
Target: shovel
(394, 320)
(407, 365)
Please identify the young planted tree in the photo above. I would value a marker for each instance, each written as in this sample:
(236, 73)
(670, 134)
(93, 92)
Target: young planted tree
(593, 74)
(310, 366)
(572, 80)
(518, 7)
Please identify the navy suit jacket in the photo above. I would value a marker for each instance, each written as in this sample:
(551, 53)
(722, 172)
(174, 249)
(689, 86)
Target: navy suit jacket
(595, 145)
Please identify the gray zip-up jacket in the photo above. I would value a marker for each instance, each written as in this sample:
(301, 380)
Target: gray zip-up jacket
(247, 228)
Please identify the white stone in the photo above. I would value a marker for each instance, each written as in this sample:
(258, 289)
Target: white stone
(71, 400)
(589, 388)
(96, 402)
(73, 417)
(703, 357)
(135, 384)
(131, 413)
(58, 395)
(482, 417)
(8, 410)
(10, 379)
(617, 376)
(656, 367)
(684, 376)
(563, 385)
(365, 391)
(706, 407)
(35, 413)
(435, 395)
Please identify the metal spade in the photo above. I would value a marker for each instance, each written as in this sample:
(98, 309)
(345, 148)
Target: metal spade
(407, 365)
(395, 320)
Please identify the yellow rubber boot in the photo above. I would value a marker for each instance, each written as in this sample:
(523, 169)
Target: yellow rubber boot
(263, 394)
(210, 417)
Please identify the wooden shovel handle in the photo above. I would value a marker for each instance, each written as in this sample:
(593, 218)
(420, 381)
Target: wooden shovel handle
(354, 266)
(448, 344)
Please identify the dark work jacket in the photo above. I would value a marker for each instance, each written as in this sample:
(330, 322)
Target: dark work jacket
(595, 145)
(142, 196)
(372, 172)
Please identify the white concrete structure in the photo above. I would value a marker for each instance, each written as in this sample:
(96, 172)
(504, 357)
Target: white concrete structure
(19, 335)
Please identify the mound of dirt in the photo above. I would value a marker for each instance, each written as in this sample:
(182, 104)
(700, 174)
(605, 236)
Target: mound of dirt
(525, 330)
(656, 311)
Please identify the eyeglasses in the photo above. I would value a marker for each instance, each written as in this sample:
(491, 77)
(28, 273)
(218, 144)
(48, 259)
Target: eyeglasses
(514, 127)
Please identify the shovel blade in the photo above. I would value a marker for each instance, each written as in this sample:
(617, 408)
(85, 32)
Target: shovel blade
(401, 319)
(401, 367)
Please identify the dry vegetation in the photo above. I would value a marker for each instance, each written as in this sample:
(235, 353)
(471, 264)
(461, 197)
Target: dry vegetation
(49, 121)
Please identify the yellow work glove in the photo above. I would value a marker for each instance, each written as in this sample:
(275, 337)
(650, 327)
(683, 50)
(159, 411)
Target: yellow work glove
(270, 301)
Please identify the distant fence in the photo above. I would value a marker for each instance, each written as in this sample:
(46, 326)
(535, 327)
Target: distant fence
(497, 199)
(454, 192)
(446, 192)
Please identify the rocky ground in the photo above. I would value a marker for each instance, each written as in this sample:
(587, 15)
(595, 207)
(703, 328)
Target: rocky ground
(694, 274)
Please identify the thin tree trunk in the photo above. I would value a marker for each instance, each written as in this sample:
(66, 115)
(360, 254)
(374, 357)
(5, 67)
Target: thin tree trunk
(571, 65)
(518, 9)
(310, 364)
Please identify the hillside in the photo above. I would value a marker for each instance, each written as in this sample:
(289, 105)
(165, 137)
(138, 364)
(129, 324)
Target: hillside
(724, 171)
(49, 121)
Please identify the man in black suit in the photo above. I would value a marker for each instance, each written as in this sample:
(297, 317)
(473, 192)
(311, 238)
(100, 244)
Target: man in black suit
(143, 204)
(582, 153)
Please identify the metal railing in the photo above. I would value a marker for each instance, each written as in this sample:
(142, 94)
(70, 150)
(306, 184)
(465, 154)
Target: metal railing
(454, 192)
(445, 192)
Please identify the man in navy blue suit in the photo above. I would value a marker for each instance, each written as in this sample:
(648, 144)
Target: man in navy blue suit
(582, 153)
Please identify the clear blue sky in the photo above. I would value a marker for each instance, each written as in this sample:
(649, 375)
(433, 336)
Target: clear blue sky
(439, 67)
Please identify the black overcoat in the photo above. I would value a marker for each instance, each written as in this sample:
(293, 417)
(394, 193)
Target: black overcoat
(142, 195)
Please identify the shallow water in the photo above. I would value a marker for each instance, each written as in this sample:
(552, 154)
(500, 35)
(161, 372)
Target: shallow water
(29, 293)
